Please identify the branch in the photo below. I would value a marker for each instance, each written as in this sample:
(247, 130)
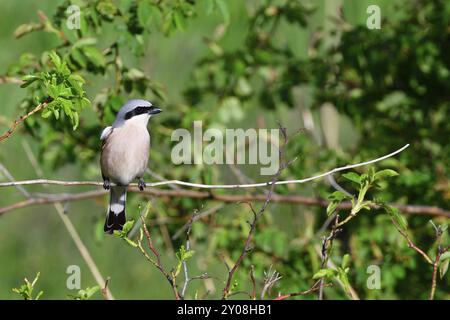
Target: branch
(208, 186)
(315, 287)
(411, 243)
(227, 198)
(13, 80)
(8, 133)
(157, 263)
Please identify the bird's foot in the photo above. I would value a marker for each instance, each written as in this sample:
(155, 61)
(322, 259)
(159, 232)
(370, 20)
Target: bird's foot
(141, 184)
(106, 184)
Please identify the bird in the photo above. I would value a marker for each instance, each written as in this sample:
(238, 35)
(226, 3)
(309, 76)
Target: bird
(124, 157)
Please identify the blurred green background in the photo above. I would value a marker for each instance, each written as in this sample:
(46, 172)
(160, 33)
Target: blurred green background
(368, 123)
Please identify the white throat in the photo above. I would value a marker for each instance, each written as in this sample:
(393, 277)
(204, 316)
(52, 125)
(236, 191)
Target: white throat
(140, 120)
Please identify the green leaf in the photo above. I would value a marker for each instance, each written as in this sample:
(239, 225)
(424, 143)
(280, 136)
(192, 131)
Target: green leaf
(46, 112)
(339, 196)
(342, 275)
(85, 294)
(76, 120)
(345, 261)
(324, 273)
(179, 20)
(128, 226)
(445, 256)
(29, 79)
(56, 113)
(83, 42)
(55, 59)
(146, 12)
(95, 56)
(443, 267)
(395, 215)
(387, 173)
(336, 198)
(352, 176)
(332, 207)
(53, 91)
(78, 57)
(26, 290)
(223, 8)
(67, 107)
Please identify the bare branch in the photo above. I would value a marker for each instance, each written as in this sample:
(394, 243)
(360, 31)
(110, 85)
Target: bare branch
(228, 198)
(8, 133)
(156, 263)
(208, 186)
(270, 278)
(411, 243)
(252, 278)
(315, 287)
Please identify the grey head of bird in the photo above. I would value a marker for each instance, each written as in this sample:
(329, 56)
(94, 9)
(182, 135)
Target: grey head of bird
(135, 108)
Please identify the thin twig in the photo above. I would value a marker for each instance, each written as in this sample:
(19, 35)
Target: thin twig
(196, 217)
(8, 133)
(314, 288)
(434, 277)
(104, 290)
(252, 278)
(327, 244)
(411, 243)
(156, 263)
(188, 247)
(270, 278)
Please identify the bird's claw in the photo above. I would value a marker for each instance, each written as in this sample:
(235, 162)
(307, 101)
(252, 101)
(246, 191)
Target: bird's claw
(141, 184)
(106, 184)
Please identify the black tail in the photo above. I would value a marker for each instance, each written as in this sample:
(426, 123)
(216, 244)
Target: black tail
(116, 212)
(114, 222)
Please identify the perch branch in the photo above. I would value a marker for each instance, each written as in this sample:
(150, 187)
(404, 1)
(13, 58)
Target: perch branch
(208, 186)
(227, 198)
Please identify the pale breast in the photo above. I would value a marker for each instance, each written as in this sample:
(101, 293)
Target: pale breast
(125, 154)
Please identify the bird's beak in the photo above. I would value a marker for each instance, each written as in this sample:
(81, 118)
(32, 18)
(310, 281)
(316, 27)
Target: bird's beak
(154, 110)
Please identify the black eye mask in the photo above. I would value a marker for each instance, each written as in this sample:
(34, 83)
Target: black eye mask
(141, 110)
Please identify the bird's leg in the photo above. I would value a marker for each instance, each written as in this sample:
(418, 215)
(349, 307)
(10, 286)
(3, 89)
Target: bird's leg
(106, 183)
(141, 184)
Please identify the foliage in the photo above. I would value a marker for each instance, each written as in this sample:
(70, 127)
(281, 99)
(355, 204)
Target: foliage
(26, 290)
(248, 69)
(85, 294)
(408, 94)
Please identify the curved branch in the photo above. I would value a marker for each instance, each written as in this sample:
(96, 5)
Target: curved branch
(206, 186)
